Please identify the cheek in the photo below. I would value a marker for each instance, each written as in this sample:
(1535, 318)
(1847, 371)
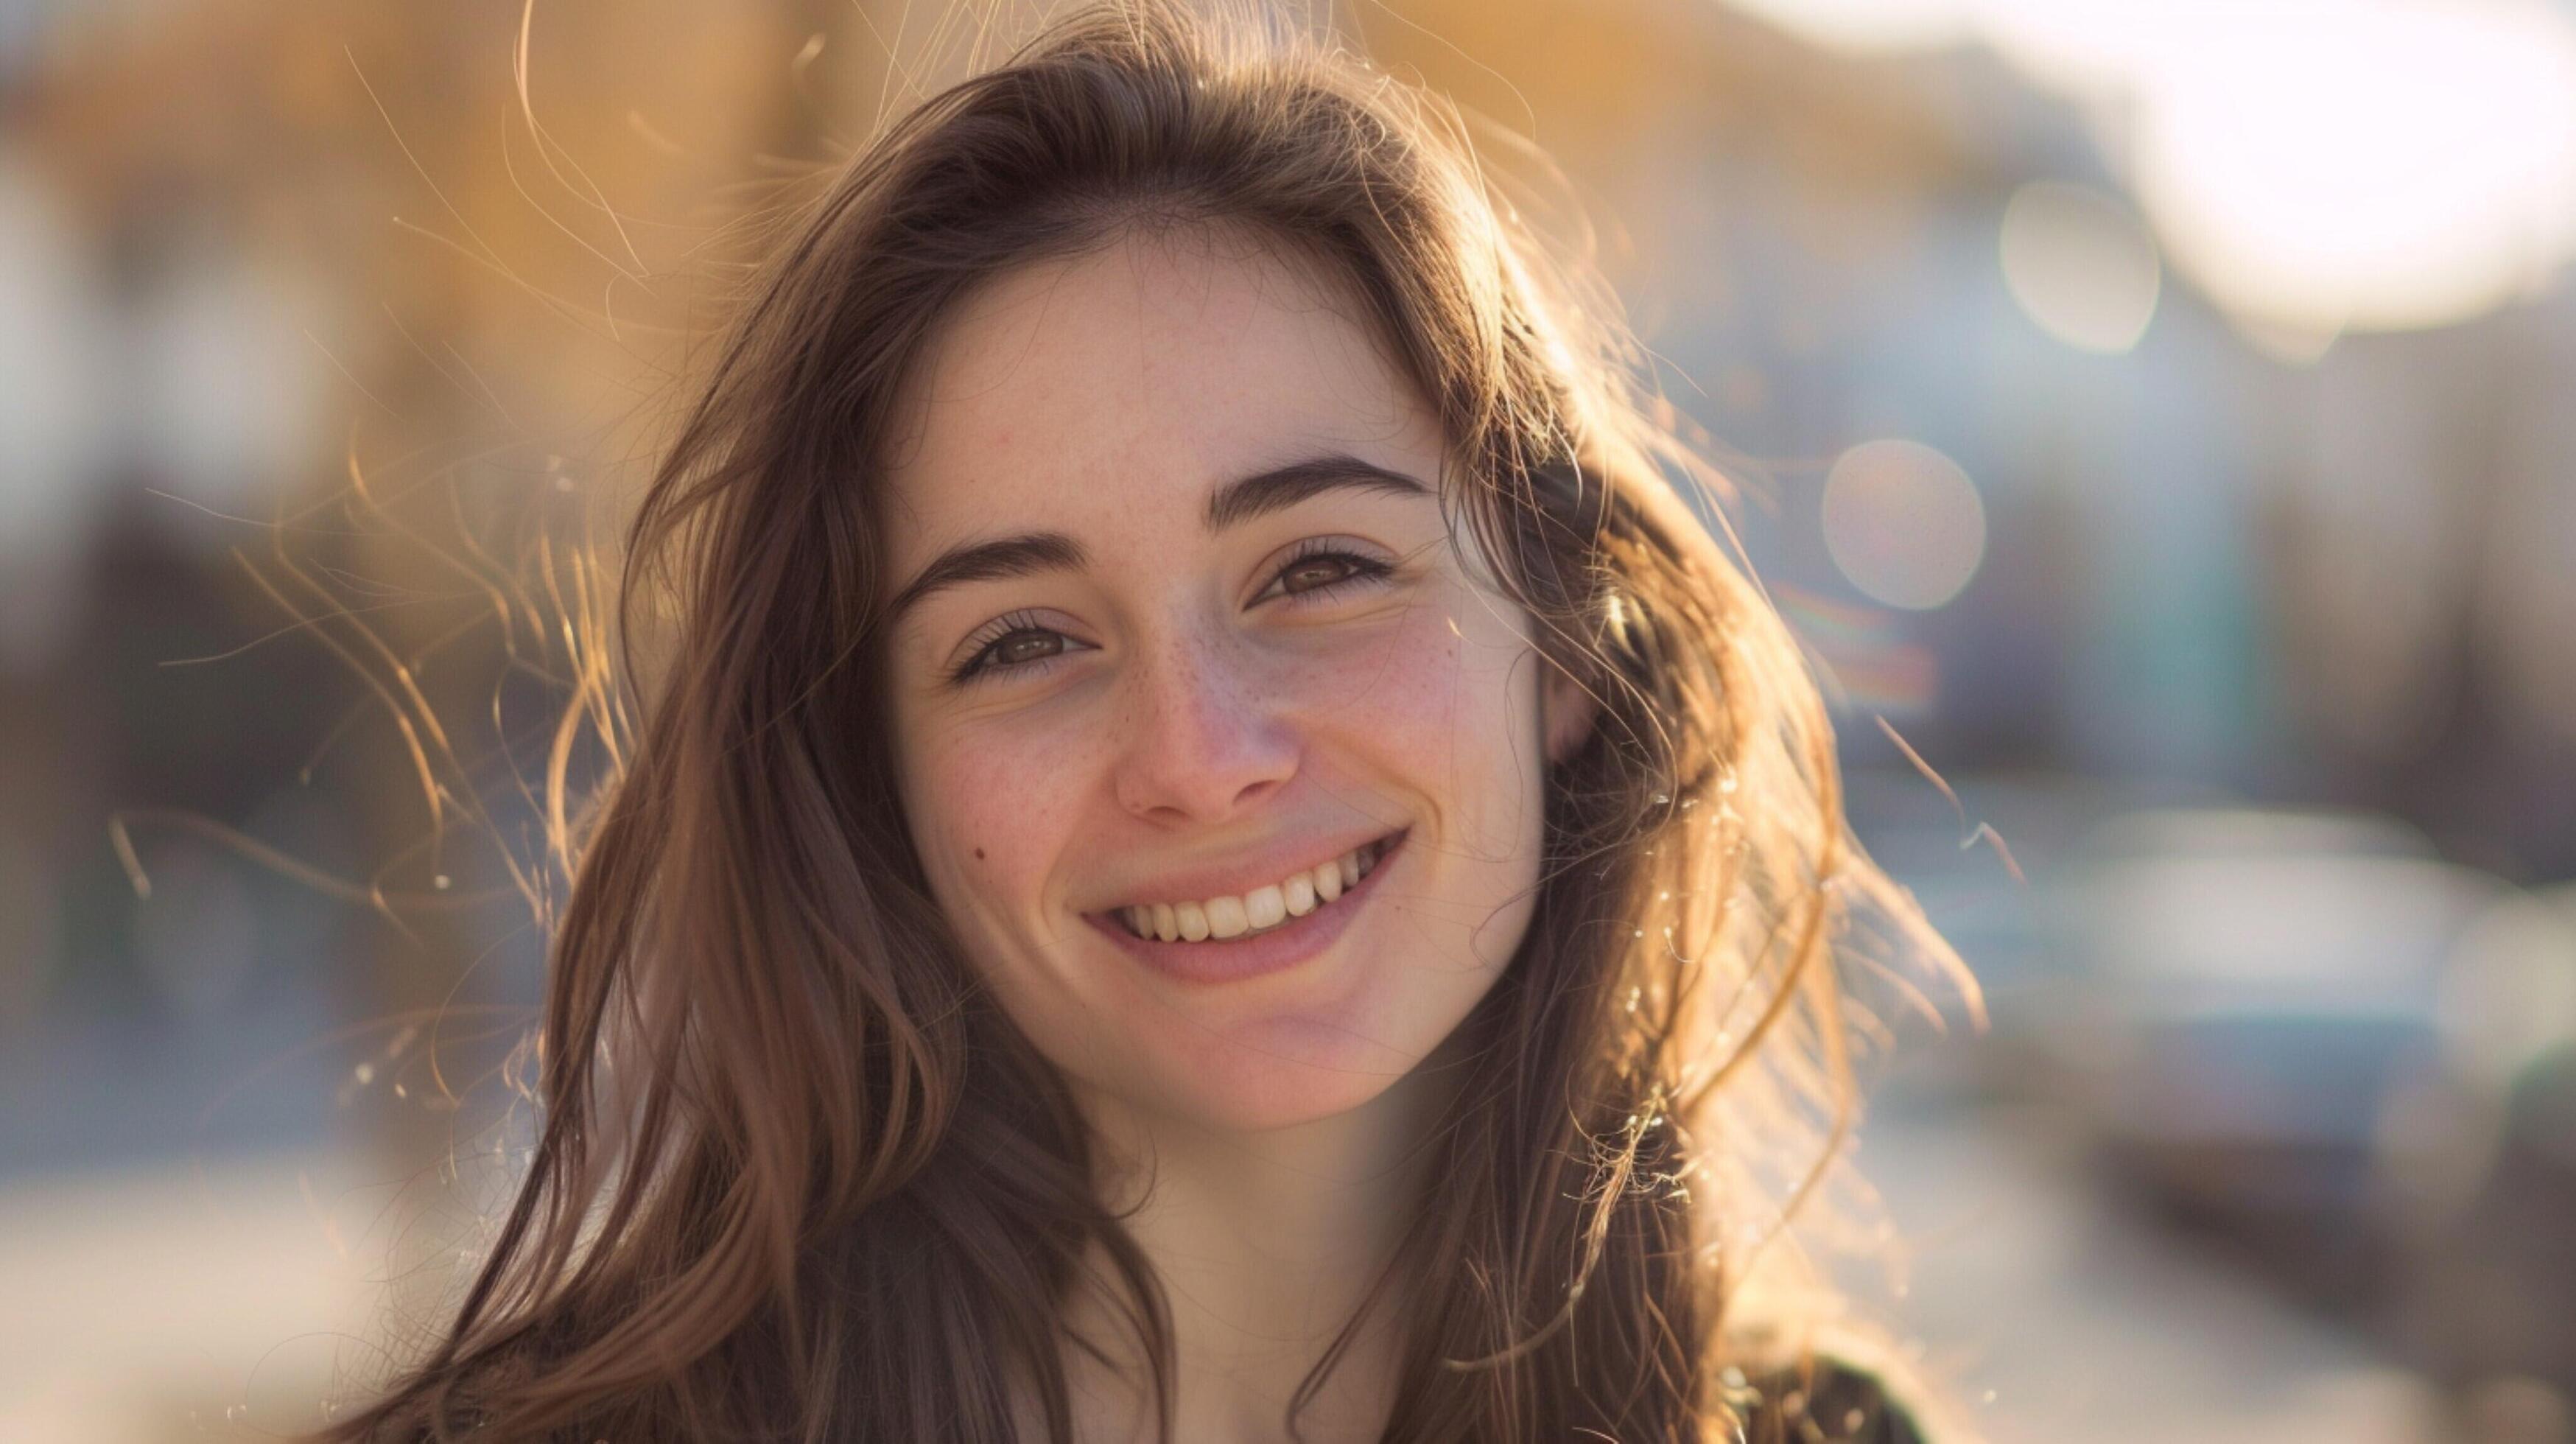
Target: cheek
(990, 807)
(1446, 706)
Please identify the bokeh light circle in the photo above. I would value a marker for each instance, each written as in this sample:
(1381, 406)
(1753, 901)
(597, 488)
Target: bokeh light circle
(1903, 523)
(2081, 265)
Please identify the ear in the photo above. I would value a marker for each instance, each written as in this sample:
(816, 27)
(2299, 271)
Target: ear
(1566, 710)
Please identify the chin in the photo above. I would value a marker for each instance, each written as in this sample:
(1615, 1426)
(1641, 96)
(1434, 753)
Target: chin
(1271, 1094)
(1284, 1070)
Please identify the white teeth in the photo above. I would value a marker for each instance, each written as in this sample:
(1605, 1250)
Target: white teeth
(1227, 917)
(1328, 880)
(1262, 908)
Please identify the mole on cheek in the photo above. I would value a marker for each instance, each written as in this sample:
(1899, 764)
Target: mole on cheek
(979, 854)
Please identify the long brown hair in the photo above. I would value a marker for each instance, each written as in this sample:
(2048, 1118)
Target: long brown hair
(797, 1175)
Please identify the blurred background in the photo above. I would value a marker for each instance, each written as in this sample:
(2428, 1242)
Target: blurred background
(2161, 416)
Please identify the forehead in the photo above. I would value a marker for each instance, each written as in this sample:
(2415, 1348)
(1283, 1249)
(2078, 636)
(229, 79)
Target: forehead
(1136, 378)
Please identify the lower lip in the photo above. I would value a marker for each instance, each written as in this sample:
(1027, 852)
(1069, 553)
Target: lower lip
(1235, 959)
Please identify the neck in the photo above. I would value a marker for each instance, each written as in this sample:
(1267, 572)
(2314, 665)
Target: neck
(1266, 1244)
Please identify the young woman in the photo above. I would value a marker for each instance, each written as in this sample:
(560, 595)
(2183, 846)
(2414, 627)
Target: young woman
(1215, 852)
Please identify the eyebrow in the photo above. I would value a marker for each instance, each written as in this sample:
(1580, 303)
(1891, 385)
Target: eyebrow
(1016, 556)
(1231, 505)
(1281, 487)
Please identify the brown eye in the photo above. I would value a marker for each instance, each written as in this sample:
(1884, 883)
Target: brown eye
(1026, 647)
(1325, 570)
(1313, 572)
(1023, 649)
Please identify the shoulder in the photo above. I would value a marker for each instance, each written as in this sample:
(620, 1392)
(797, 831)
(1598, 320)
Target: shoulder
(1819, 1400)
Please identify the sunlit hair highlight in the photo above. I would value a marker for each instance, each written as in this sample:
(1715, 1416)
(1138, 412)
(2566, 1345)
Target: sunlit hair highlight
(797, 1176)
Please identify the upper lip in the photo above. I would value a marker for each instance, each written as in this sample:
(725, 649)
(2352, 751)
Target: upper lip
(1234, 878)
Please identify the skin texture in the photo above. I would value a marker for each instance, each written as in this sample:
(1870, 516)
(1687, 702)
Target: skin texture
(1185, 709)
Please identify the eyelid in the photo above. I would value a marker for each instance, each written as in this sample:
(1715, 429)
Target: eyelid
(1373, 566)
(984, 638)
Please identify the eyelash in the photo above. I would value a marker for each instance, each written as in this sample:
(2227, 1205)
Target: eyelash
(1361, 570)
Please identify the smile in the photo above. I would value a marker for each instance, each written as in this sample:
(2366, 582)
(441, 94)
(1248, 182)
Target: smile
(1251, 914)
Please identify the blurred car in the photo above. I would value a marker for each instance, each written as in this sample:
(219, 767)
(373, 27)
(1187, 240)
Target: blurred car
(2313, 1044)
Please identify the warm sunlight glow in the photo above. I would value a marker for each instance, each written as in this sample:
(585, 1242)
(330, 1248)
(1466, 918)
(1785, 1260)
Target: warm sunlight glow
(1867, 26)
(2313, 166)
(2368, 166)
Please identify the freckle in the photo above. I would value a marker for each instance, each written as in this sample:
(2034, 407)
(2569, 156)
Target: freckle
(979, 854)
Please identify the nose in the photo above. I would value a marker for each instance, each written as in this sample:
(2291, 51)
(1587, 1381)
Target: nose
(1204, 741)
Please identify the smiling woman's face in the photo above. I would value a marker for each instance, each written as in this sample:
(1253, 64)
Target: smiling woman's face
(1181, 642)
